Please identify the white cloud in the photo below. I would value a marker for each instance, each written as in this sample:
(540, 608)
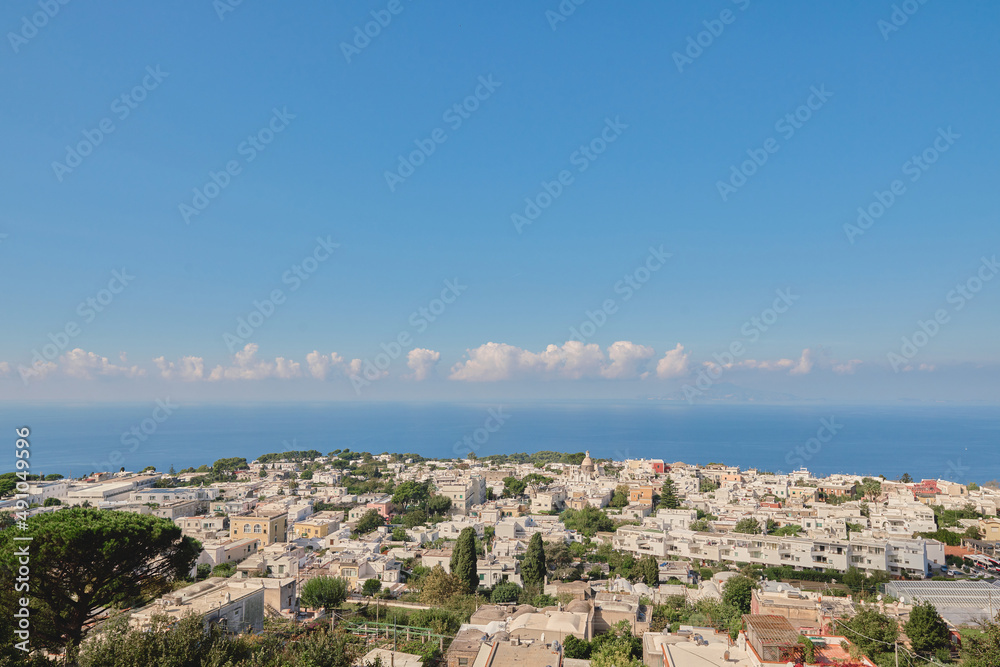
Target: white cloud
(572, 360)
(673, 364)
(84, 365)
(498, 361)
(422, 361)
(188, 369)
(805, 363)
(808, 360)
(846, 367)
(246, 366)
(320, 364)
(627, 360)
(4, 368)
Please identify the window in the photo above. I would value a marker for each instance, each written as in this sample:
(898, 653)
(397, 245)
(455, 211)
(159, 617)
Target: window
(246, 528)
(482, 577)
(257, 528)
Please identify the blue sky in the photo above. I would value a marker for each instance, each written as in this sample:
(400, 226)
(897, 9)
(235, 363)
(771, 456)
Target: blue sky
(199, 81)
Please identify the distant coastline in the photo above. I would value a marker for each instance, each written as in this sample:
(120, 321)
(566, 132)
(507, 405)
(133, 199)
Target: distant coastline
(955, 443)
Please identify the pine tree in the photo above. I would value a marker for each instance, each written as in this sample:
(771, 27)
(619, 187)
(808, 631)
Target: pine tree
(927, 630)
(668, 496)
(533, 568)
(463, 560)
(649, 571)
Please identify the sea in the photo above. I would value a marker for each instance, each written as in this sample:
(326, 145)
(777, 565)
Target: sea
(958, 443)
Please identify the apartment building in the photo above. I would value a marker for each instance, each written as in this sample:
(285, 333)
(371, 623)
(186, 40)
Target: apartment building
(493, 570)
(464, 492)
(236, 606)
(552, 499)
(229, 551)
(895, 556)
(269, 527)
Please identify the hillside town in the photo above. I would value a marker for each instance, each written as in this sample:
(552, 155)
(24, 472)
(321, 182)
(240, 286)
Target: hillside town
(513, 559)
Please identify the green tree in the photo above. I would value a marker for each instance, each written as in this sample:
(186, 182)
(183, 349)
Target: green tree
(368, 522)
(873, 632)
(668, 496)
(326, 593)
(578, 649)
(439, 587)
(463, 560)
(371, 587)
(513, 487)
(589, 521)
(410, 492)
(533, 567)
(84, 561)
(982, 649)
(748, 526)
(808, 649)
(870, 488)
(439, 504)
(620, 497)
(906, 479)
(927, 630)
(557, 555)
(50, 502)
(224, 570)
(505, 592)
(648, 571)
(399, 534)
(413, 518)
(737, 592)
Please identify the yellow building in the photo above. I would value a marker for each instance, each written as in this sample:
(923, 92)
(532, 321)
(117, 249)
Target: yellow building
(318, 525)
(990, 528)
(268, 527)
(347, 570)
(641, 495)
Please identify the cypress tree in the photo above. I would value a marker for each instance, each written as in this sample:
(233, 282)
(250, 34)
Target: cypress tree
(533, 567)
(463, 560)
